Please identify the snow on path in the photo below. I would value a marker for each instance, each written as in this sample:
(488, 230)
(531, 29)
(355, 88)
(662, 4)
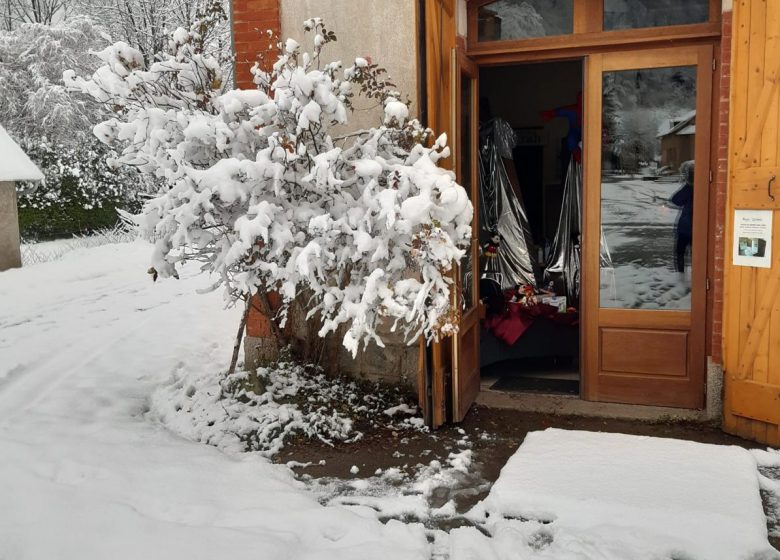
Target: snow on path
(568, 495)
(84, 474)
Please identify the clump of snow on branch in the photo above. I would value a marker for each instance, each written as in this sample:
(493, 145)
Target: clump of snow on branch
(297, 401)
(262, 194)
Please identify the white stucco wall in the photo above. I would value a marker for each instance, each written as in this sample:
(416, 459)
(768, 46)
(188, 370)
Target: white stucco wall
(462, 19)
(10, 256)
(385, 30)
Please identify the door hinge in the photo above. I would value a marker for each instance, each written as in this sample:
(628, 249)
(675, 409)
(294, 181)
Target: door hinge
(707, 284)
(714, 64)
(710, 175)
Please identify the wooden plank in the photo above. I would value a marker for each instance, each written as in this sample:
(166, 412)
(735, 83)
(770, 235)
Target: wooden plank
(588, 16)
(753, 320)
(758, 117)
(756, 67)
(751, 188)
(656, 58)
(629, 318)
(697, 340)
(757, 401)
(591, 226)
(422, 393)
(644, 352)
(769, 140)
(773, 361)
(623, 39)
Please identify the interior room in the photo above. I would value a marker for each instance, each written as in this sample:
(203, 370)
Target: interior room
(530, 201)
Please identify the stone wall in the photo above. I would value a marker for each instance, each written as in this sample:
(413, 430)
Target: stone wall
(386, 32)
(396, 363)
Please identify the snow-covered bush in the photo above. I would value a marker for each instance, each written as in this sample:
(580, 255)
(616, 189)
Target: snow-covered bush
(268, 200)
(80, 194)
(34, 102)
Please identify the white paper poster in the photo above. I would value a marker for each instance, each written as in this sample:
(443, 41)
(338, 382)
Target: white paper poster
(753, 238)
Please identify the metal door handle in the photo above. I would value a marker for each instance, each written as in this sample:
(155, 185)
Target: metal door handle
(769, 187)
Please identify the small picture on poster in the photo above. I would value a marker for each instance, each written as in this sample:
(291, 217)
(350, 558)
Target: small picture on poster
(753, 238)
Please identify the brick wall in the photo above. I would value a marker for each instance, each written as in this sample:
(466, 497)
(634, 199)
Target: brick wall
(720, 185)
(251, 20)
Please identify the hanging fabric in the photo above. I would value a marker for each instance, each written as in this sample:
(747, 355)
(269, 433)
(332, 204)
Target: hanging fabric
(501, 208)
(563, 263)
(563, 267)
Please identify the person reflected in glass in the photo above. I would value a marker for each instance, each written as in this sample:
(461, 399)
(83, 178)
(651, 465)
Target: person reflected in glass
(683, 199)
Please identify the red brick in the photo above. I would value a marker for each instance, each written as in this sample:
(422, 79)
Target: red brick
(720, 187)
(252, 19)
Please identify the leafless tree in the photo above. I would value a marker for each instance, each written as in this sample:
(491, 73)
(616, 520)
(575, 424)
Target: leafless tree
(15, 12)
(147, 24)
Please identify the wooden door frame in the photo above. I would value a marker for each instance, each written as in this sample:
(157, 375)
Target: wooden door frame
(462, 391)
(594, 316)
(588, 32)
(587, 39)
(650, 57)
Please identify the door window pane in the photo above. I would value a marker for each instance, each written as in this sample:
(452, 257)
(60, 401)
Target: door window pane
(649, 130)
(464, 159)
(630, 14)
(524, 19)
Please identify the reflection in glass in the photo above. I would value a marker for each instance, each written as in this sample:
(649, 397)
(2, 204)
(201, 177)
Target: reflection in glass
(524, 19)
(648, 138)
(464, 157)
(631, 14)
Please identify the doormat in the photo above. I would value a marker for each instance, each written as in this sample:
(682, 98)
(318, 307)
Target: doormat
(537, 385)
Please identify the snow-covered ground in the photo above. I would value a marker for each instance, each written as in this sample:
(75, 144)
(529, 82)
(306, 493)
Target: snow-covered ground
(639, 228)
(615, 496)
(84, 343)
(89, 347)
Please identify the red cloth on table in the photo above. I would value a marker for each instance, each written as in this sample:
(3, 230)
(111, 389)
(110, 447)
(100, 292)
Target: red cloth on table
(512, 324)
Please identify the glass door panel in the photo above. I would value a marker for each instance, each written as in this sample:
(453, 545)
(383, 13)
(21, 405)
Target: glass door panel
(504, 20)
(647, 170)
(631, 14)
(647, 124)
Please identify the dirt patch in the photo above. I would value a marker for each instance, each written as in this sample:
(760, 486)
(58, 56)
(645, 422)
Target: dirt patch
(492, 435)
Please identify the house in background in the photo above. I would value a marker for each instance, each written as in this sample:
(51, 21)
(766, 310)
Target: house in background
(15, 167)
(677, 143)
(652, 337)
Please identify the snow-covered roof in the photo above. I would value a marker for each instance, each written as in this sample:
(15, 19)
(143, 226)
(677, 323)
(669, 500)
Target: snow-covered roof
(14, 163)
(680, 125)
(688, 130)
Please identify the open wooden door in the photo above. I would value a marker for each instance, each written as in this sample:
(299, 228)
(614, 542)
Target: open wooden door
(645, 232)
(465, 345)
(752, 295)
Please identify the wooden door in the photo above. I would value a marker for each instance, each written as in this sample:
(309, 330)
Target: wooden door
(751, 322)
(465, 346)
(644, 257)
(439, 17)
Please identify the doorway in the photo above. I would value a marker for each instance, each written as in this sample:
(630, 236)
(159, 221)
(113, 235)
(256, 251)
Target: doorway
(623, 327)
(529, 223)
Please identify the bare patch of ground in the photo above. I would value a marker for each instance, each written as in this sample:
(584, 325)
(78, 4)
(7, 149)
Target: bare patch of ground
(492, 436)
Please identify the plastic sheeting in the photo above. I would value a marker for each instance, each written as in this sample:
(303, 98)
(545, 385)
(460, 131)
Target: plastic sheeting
(563, 267)
(501, 207)
(563, 263)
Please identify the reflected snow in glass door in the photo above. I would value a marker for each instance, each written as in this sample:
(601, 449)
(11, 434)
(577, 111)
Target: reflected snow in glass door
(648, 136)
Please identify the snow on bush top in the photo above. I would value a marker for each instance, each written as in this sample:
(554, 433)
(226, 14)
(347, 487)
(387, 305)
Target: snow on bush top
(262, 194)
